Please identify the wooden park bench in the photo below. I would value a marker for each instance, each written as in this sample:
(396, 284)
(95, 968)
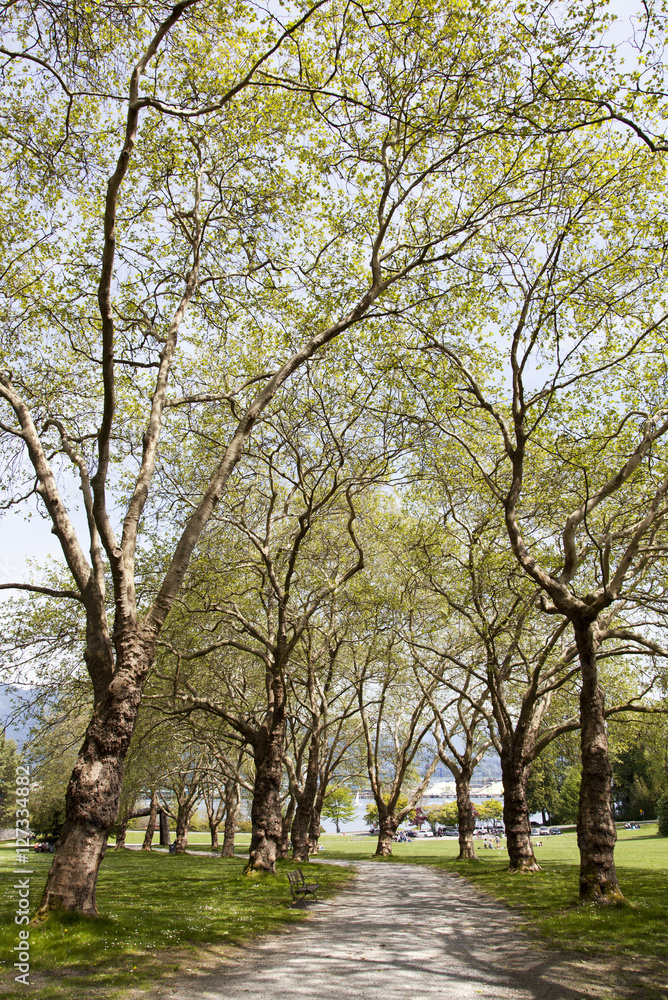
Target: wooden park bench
(299, 887)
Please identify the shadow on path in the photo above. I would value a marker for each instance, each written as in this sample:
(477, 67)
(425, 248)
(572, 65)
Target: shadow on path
(399, 932)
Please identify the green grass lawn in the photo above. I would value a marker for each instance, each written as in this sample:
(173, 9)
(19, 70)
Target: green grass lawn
(549, 898)
(157, 910)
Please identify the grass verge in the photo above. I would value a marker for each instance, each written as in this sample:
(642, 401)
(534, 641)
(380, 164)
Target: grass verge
(158, 911)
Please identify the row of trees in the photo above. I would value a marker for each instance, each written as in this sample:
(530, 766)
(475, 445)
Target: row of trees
(445, 530)
(387, 673)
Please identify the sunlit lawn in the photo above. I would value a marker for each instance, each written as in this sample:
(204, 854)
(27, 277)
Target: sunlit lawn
(156, 910)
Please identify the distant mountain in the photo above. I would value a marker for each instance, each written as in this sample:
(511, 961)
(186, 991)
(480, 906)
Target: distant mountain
(12, 719)
(489, 769)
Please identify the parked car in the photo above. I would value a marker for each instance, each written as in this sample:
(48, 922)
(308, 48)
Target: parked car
(423, 833)
(543, 832)
(555, 831)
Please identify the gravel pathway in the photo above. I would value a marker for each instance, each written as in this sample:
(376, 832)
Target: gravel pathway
(398, 932)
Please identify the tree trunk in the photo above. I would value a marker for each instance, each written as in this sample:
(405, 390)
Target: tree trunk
(286, 829)
(150, 826)
(514, 771)
(314, 828)
(121, 830)
(266, 819)
(314, 831)
(94, 790)
(387, 829)
(465, 818)
(596, 828)
(231, 807)
(182, 818)
(213, 827)
(301, 824)
(164, 828)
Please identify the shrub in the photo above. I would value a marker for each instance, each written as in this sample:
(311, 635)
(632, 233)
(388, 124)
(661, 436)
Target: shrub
(138, 823)
(371, 811)
(566, 810)
(47, 816)
(443, 815)
(662, 809)
(198, 824)
(643, 801)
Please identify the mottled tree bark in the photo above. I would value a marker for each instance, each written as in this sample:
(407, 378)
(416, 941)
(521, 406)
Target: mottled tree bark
(231, 807)
(314, 827)
(286, 828)
(93, 793)
(515, 810)
(214, 801)
(266, 818)
(595, 827)
(121, 830)
(387, 829)
(301, 824)
(314, 831)
(182, 819)
(152, 819)
(465, 818)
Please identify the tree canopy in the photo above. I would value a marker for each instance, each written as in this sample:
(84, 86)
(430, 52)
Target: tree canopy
(333, 354)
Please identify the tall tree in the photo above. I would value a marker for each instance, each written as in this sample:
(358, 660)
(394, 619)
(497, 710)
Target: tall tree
(588, 313)
(107, 251)
(339, 806)
(186, 194)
